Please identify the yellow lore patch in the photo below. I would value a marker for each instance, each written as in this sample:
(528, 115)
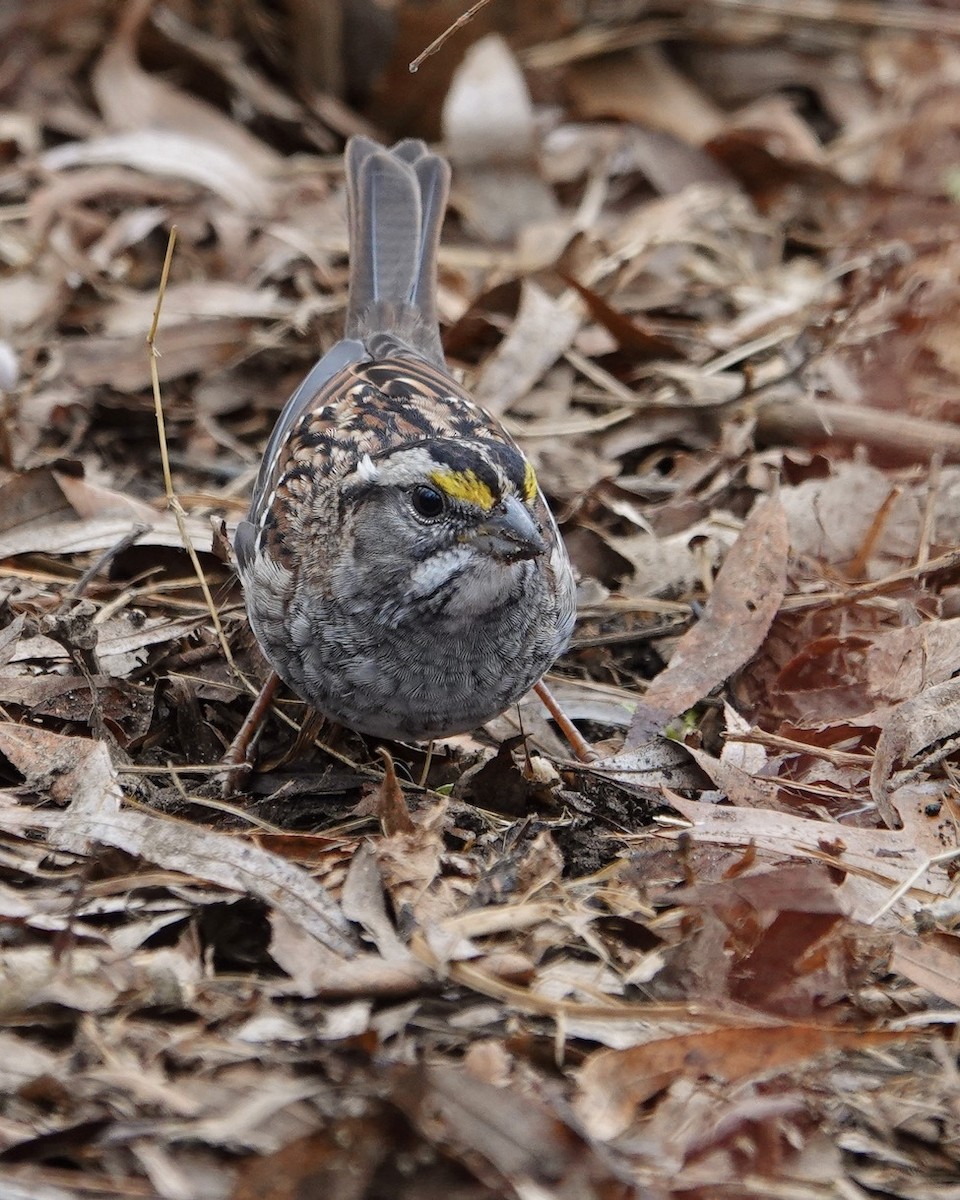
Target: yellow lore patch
(464, 485)
(529, 484)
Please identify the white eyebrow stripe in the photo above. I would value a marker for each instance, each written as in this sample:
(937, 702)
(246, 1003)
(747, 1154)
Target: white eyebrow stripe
(367, 469)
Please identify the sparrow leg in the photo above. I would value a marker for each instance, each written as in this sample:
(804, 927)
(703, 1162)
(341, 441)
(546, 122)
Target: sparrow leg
(575, 739)
(235, 758)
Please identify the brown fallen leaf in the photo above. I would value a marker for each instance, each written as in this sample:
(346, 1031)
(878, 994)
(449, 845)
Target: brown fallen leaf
(746, 596)
(9, 637)
(388, 802)
(126, 706)
(192, 303)
(739, 786)
(167, 157)
(912, 725)
(613, 1084)
(629, 333)
(506, 1137)
(122, 363)
(792, 887)
(54, 512)
(671, 563)
(121, 644)
(489, 131)
(778, 930)
(130, 99)
(642, 86)
(90, 980)
(363, 902)
(902, 663)
(78, 772)
(931, 964)
(64, 190)
(318, 972)
(410, 862)
(831, 519)
(338, 1162)
(497, 784)
(877, 860)
(544, 328)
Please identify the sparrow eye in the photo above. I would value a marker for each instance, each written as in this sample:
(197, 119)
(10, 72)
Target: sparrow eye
(427, 501)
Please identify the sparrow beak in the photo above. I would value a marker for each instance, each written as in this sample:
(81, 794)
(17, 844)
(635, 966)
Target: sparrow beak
(510, 533)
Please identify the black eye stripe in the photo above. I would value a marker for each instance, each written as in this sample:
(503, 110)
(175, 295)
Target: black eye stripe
(497, 461)
(461, 459)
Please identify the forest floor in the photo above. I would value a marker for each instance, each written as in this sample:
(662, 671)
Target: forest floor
(702, 259)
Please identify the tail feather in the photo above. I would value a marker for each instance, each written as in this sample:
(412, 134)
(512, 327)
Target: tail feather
(396, 204)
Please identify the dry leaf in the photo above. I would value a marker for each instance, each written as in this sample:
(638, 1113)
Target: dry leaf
(79, 773)
(745, 598)
(132, 100)
(489, 133)
(933, 967)
(932, 716)
(614, 1083)
(544, 328)
(643, 86)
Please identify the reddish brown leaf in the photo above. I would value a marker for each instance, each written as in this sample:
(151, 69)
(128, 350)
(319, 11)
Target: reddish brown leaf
(389, 804)
(613, 1083)
(340, 1161)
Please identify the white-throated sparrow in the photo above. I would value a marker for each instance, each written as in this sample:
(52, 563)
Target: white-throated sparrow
(402, 571)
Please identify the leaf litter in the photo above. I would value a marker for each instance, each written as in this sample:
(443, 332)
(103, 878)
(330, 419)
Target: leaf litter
(702, 264)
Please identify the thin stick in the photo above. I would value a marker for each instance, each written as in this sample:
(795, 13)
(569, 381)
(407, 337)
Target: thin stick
(865, 591)
(899, 433)
(930, 509)
(575, 739)
(909, 17)
(447, 33)
(909, 883)
(154, 355)
(759, 737)
(173, 501)
(427, 763)
(880, 519)
(80, 586)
